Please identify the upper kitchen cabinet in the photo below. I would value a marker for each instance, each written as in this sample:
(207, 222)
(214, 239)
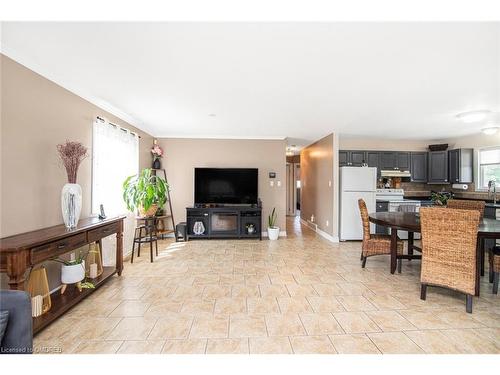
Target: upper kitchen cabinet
(418, 166)
(372, 159)
(438, 167)
(388, 160)
(351, 158)
(460, 165)
(403, 160)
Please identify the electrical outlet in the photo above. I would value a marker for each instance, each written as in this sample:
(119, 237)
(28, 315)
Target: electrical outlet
(271, 183)
(330, 183)
(327, 223)
(279, 183)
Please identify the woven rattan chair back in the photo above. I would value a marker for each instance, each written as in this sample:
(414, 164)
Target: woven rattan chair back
(365, 219)
(449, 248)
(463, 204)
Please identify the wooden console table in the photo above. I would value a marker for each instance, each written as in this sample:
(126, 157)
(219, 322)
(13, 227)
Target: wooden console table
(25, 250)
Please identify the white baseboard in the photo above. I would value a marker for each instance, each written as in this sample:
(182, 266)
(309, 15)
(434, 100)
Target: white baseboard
(314, 227)
(282, 234)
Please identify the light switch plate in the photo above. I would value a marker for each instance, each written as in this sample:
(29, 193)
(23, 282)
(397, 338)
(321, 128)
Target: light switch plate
(279, 183)
(271, 183)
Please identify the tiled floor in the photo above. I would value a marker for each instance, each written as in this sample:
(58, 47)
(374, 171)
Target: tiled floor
(300, 294)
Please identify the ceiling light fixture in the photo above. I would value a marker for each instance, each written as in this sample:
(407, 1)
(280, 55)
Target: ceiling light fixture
(290, 150)
(473, 116)
(490, 130)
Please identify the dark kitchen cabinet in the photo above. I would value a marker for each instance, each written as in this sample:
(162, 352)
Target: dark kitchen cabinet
(372, 159)
(403, 161)
(437, 167)
(460, 165)
(418, 166)
(343, 158)
(351, 158)
(388, 160)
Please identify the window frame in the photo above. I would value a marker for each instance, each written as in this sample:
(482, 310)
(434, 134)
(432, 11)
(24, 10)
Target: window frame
(478, 180)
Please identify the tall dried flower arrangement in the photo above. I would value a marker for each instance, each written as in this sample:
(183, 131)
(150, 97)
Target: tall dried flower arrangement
(72, 155)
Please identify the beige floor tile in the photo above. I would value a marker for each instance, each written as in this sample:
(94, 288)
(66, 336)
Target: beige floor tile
(230, 306)
(390, 321)
(284, 325)
(132, 329)
(190, 346)
(488, 318)
(262, 305)
(325, 304)
(247, 327)
(354, 344)
(273, 291)
(472, 341)
(161, 308)
(296, 290)
(94, 328)
(97, 347)
(294, 305)
(142, 347)
(356, 322)
(433, 342)
(210, 328)
(245, 291)
(184, 292)
(320, 324)
(212, 292)
(270, 345)
(355, 303)
(385, 302)
(328, 290)
(425, 319)
(394, 343)
(130, 309)
(54, 346)
(312, 345)
(171, 328)
(282, 279)
(227, 346)
(197, 307)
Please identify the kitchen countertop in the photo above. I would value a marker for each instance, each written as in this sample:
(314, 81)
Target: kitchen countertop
(423, 194)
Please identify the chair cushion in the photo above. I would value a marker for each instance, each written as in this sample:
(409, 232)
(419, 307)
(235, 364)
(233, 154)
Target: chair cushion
(4, 320)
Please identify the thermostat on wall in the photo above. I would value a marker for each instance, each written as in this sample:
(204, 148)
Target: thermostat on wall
(272, 174)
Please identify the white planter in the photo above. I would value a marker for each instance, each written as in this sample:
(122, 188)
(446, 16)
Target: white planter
(72, 274)
(71, 204)
(273, 233)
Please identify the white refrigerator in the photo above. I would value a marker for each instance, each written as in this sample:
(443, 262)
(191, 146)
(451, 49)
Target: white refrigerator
(356, 183)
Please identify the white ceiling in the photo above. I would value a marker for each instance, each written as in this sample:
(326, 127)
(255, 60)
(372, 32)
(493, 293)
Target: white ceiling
(272, 80)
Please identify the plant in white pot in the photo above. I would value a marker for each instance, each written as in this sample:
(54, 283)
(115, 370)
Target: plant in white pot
(73, 272)
(145, 192)
(273, 231)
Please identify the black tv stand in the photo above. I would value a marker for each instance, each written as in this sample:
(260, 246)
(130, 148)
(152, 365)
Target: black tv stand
(224, 221)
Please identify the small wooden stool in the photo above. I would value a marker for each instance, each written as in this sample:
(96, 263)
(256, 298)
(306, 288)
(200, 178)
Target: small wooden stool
(149, 236)
(495, 267)
(181, 228)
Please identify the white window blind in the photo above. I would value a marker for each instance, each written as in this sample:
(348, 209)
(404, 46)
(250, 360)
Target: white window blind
(115, 156)
(489, 166)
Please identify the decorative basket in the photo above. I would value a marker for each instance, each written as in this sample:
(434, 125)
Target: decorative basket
(150, 212)
(38, 288)
(93, 262)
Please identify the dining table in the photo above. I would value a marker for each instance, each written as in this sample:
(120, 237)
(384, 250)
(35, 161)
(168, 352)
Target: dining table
(410, 222)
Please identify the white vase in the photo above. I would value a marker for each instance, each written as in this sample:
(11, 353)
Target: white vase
(71, 204)
(273, 233)
(72, 274)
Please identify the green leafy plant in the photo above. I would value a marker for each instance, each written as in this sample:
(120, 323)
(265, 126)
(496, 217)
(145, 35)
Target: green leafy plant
(272, 219)
(78, 260)
(144, 190)
(440, 199)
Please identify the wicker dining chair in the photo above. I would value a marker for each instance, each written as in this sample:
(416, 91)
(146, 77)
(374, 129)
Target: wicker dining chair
(449, 250)
(463, 204)
(375, 244)
(495, 267)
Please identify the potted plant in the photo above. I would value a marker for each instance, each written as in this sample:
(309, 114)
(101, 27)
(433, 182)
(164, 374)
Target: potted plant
(72, 154)
(157, 153)
(440, 198)
(273, 231)
(145, 192)
(250, 228)
(73, 272)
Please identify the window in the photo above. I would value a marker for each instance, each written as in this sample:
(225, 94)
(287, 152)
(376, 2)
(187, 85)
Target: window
(115, 156)
(489, 167)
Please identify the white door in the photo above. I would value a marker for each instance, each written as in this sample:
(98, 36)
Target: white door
(358, 179)
(351, 227)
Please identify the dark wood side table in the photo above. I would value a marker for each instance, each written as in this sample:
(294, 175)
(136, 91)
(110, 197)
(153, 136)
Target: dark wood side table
(25, 250)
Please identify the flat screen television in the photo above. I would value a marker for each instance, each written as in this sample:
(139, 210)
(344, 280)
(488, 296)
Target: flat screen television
(225, 186)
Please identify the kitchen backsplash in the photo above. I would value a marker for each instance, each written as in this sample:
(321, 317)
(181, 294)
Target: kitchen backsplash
(415, 189)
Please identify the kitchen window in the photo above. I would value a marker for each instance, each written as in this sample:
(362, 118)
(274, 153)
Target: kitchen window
(489, 167)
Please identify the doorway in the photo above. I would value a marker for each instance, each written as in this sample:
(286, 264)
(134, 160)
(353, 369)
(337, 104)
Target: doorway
(292, 188)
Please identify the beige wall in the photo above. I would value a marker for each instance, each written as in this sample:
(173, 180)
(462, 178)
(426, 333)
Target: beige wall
(36, 115)
(316, 171)
(377, 144)
(183, 155)
(474, 141)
